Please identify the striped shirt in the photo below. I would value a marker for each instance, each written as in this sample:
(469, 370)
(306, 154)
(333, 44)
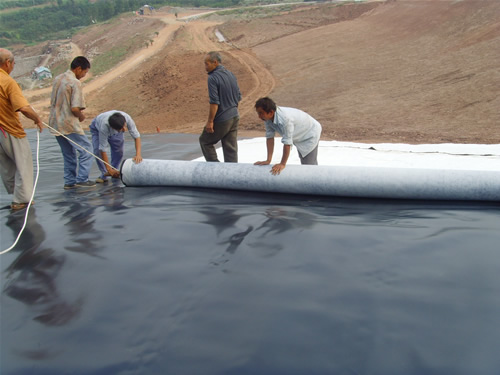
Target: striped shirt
(223, 90)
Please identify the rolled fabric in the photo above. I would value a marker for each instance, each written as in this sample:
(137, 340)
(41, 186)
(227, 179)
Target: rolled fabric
(346, 181)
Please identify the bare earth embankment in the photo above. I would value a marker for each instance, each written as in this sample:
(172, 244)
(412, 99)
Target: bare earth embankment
(399, 71)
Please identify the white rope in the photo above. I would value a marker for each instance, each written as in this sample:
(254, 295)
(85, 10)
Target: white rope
(36, 179)
(95, 156)
(32, 195)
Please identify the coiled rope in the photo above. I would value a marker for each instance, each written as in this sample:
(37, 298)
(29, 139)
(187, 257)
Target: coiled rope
(36, 179)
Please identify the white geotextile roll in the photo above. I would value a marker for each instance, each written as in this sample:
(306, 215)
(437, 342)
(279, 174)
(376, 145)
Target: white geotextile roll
(347, 181)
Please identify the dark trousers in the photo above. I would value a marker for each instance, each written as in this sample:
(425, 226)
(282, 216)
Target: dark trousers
(227, 133)
(311, 158)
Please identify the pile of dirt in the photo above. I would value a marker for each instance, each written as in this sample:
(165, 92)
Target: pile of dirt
(169, 91)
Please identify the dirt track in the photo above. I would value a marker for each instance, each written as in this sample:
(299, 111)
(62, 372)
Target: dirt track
(262, 80)
(131, 63)
(173, 81)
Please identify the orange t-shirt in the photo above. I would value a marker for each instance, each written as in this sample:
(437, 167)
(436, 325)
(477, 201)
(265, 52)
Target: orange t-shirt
(11, 100)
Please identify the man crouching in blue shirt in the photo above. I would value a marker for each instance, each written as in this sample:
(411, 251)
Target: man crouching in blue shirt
(295, 127)
(108, 128)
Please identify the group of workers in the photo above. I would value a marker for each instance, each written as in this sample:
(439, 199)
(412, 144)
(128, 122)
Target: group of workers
(67, 104)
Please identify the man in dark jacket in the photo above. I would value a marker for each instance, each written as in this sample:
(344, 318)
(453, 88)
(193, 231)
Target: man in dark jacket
(223, 118)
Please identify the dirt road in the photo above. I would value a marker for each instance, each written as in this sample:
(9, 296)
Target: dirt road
(200, 40)
(99, 82)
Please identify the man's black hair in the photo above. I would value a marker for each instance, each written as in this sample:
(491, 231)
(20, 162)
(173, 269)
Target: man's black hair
(266, 104)
(117, 121)
(80, 61)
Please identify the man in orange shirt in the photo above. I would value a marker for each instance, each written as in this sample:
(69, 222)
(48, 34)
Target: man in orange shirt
(16, 158)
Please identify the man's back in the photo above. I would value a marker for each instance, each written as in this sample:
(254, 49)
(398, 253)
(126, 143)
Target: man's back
(66, 94)
(11, 99)
(223, 90)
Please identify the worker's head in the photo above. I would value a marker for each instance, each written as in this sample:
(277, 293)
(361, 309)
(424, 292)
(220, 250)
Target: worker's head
(265, 108)
(212, 61)
(6, 60)
(117, 121)
(80, 66)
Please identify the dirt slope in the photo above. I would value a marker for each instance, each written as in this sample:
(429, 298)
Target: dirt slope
(408, 71)
(421, 71)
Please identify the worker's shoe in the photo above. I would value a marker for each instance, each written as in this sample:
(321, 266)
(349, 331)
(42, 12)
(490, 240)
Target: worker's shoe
(87, 184)
(14, 206)
(69, 186)
(101, 180)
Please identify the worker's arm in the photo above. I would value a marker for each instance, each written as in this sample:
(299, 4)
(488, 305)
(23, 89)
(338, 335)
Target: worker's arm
(30, 113)
(209, 127)
(270, 150)
(78, 112)
(112, 172)
(277, 168)
(137, 158)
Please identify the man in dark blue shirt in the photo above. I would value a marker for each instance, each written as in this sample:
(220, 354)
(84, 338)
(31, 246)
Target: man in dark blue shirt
(223, 117)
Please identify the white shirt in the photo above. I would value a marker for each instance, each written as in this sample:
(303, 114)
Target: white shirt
(295, 127)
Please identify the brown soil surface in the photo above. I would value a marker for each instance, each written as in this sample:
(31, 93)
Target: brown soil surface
(407, 71)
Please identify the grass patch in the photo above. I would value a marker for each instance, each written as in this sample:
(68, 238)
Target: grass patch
(258, 11)
(108, 60)
(60, 67)
(112, 53)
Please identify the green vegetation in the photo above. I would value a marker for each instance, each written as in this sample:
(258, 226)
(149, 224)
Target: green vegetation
(106, 61)
(60, 67)
(10, 4)
(248, 12)
(35, 24)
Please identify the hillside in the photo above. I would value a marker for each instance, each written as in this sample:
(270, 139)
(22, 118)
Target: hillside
(408, 71)
(400, 71)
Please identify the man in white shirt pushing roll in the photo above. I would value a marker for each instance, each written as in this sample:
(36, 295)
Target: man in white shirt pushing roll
(295, 127)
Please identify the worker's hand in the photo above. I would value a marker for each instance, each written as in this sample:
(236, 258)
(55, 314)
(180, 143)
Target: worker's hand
(209, 127)
(265, 162)
(277, 168)
(81, 117)
(115, 174)
(112, 172)
(39, 126)
(137, 159)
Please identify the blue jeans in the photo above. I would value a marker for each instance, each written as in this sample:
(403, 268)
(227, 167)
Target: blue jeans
(77, 163)
(115, 141)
